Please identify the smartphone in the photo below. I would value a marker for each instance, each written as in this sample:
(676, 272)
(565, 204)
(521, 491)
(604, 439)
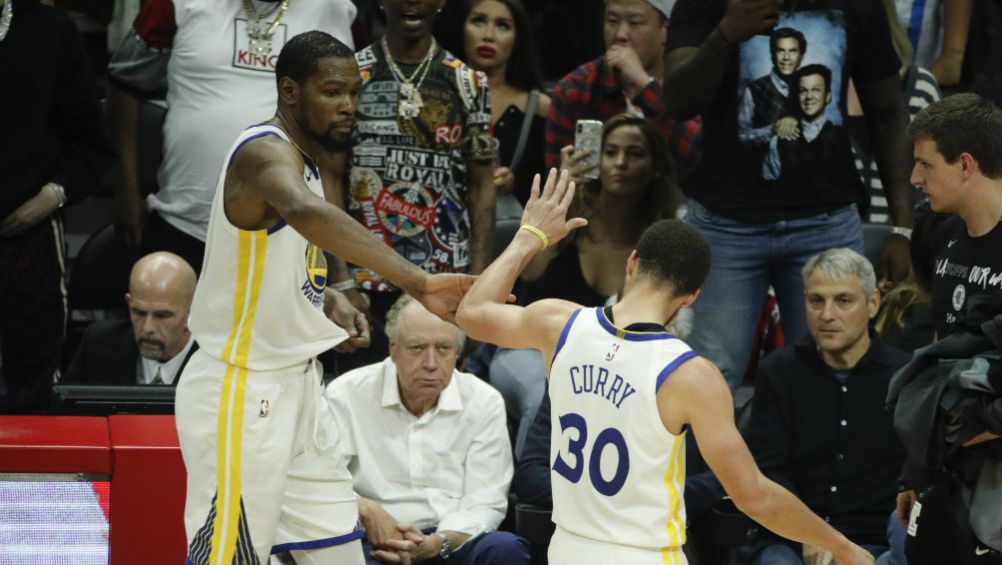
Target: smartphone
(588, 135)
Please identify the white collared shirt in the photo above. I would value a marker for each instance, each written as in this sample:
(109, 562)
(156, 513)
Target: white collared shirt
(169, 369)
(450, 468)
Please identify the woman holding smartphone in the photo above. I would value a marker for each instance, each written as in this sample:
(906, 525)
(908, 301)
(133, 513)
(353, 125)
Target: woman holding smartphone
(497, 39)
(636, 177)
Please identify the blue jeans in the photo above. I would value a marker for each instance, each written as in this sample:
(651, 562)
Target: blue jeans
(747, 259)
(896, 536)
(492, 548)
(782, 554)
(520, 377)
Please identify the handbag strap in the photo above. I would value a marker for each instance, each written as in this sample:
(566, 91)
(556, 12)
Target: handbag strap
(523, 136)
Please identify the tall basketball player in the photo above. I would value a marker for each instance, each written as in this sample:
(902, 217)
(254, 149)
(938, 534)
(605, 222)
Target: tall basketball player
(623, 394)
(264, 474)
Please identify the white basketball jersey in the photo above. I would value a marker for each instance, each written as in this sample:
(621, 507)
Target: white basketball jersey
(618, 474)
(259, 301)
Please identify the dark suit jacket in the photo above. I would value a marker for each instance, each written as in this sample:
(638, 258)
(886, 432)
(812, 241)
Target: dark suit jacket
(108, 355)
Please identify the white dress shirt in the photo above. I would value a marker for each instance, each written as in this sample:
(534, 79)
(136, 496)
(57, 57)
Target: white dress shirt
(147, 370)
(450, 468)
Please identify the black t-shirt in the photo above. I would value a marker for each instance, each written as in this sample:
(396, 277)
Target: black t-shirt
(965, 266)
(506, 133)
(742, 173)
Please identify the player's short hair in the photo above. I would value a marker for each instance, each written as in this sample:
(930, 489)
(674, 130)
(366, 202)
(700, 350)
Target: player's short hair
(815, 69)
(298, 59)
(963, 123)
(674, 252)
(840, 263)
(784, 32)
(392, 324)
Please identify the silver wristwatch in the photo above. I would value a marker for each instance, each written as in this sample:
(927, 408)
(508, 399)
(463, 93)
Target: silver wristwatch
(447, 549)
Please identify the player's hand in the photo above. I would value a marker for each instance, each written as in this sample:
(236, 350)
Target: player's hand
(894, 264)
(442, 293)
(905, 501)
(625, 63)
(130, 215)
(816, 556)
(573, 162)
(746, 18)
(787, 128)
(854, 555)
(34, 210)
(504, 180)
(547, 208)
(342, 312)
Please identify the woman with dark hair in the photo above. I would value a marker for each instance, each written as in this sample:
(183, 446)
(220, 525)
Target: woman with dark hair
(589, 266)
(497, 39)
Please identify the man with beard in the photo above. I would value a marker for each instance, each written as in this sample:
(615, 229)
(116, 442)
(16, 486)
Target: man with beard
(155, 344)
(250, 398)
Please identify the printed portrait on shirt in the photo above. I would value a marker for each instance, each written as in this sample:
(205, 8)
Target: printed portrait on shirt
(790, 88)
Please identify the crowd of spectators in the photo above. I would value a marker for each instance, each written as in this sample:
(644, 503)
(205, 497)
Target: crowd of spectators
(782, 135)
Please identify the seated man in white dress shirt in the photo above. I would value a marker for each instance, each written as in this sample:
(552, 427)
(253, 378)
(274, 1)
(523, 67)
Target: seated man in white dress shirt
(155, 343)
(428, 448)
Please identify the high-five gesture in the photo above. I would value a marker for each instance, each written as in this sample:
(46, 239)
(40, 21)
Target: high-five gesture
(546, 211)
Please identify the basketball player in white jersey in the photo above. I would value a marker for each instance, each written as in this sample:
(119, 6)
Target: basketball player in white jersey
(259, 445)
(623, 393)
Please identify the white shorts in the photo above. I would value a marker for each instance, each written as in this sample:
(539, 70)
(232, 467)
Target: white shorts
(570, 549)
(264, 472)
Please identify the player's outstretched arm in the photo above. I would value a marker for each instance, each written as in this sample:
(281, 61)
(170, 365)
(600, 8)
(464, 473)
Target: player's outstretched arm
(484, 314)
(270, 186)
(697, 395)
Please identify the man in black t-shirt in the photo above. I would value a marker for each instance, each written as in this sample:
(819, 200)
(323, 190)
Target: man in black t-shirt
(958, 166)
(763, 230)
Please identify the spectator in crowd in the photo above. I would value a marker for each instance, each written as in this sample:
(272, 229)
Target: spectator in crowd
(216, 63)
(420, 172)
(627, 78)
(155, 344)
(428, 448)
(54, 150)
(818, 425)
(498, 40)
(958, 166)
(937, 30)
(920, 89)
(763, 231)
(764, 111)
(631, 193)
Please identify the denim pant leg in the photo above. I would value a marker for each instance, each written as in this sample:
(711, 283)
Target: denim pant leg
(794, 243)
(777, 554)
(896, 536)
(731, 299)
(520, 376)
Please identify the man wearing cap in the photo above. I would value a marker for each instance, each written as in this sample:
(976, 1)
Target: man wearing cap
(626, 79)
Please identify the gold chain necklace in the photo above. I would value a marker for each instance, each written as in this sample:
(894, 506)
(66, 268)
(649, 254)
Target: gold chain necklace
(410, 103)
(259, 32)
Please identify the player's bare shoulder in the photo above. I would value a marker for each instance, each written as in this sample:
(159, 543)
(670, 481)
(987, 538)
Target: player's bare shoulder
(253, 168)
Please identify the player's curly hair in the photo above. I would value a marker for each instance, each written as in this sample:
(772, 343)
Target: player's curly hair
(674, 252)
(298, 59)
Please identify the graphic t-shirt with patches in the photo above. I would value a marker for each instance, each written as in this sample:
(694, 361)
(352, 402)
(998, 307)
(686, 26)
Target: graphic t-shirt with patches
(408, 179)
(775, 141)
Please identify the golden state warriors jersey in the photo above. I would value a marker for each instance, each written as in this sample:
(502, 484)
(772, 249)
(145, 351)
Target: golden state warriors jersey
(259, 300)
(618, 474)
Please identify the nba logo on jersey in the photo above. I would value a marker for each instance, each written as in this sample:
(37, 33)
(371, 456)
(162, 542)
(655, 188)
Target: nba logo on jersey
(612, 352)
(265, 409)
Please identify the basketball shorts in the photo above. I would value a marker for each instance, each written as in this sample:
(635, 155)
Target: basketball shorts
(571, 549)
(265, 474)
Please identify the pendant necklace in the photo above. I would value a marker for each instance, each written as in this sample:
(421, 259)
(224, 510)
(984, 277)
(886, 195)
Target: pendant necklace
(5, 19)
(259, 32)
(409, 103)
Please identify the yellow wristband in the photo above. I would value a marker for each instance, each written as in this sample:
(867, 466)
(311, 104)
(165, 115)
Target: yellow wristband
(538, 232)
